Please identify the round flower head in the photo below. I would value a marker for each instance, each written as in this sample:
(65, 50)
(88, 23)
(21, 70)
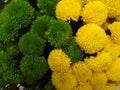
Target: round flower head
(81, 71)
(33, 68)
(83, 86)
(101, 62)
(110, 87)
(68, 9)
(113, 8)
(114, 51)
(63, 81)
(58, 61)
(98, 80)
(115, 31)
(95, 12)
(91, 38)
(113, 72)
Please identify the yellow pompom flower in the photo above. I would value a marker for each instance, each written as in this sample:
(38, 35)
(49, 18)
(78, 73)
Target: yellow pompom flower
(95, 12)
(113, 72)
(91, 38)
(83, 86)
(81, 71)
(101, 62)
(98, 80)
(63, 81)
(110, 87)
(68, 9)
(114, 51)
(115, 32)
(85, 1)
(113, 8)
(58, 61)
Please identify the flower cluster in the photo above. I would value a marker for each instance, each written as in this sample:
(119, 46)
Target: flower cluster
(60, 44)
(98, 37)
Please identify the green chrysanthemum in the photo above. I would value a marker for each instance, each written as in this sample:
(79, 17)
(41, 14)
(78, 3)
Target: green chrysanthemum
(3, 62)
(73, 51)
(12, 50)
(47, 6)
(9, 27)
(41, 25)
(59, 33)
(33, 68)
(21, 10)
(12, 76)
(49, 86)
(31, 44)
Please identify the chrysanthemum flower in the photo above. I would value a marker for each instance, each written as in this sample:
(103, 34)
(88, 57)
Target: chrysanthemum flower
(63, 81)
(82, 71)
(113, 72)
(115, 31)
(58, 61)
(114, 51)
(91, 38)
(68, 9)
(113, 8)
(98, 80)
(83, 86)
(110, 87)
(95, 12)
(101, 62)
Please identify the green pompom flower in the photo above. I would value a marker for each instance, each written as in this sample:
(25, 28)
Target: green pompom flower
(3, 62)
(31, 44)
(49, 86)
(21, 10)
(12, 76)
(47, 6)
(73, 51)
(41, 25)
(12, 50)
(9, 27)
(33, 68)
(59, 33)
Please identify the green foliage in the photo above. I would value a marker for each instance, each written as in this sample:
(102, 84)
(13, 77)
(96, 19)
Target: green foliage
(59, 33)
(2, 82)
(28, 88)
(31, 44)
(9, 27)
(41, 25)
(33, 68)
(21, 10)
(47, 6)
(73, 51)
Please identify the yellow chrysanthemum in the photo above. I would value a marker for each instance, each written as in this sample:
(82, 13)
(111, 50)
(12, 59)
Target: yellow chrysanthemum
(114, 51)
(91, 38)
(81, 71)
(110, 87)
(68, 9)
(113, 8)
(95, 12)
(85, 1)
(113, 73)
(63, 81)
(98, 80)
(101, 62)
(58, 61)
(115, 32)
(83, 86)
